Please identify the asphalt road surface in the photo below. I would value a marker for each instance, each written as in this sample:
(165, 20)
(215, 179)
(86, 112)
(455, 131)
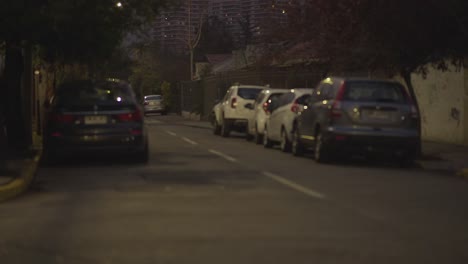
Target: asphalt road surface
(207, 199)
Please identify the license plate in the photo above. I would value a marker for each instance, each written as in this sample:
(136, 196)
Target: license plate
(379, 115)
(95, 120)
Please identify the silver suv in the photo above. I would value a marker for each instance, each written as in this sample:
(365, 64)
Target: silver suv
(358, 116)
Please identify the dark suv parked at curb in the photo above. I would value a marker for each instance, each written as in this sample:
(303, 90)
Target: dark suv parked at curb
(88, 116)
(346, 116)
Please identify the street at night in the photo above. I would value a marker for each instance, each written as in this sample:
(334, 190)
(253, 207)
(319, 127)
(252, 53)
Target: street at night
(206, 199)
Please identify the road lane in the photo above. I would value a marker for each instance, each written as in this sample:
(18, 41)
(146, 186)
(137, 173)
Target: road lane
(189, 205)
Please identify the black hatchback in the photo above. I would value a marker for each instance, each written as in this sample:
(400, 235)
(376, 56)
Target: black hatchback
(95, 116)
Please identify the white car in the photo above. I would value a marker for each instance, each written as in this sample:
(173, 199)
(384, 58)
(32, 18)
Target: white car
(257, 119)
(279, 125)
(231, 114)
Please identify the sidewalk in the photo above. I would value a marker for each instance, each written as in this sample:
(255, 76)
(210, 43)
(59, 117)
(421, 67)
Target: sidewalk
(442, 157)
(16, 174)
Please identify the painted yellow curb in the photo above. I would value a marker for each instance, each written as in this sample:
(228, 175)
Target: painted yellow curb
(20, 184)
(463, 173)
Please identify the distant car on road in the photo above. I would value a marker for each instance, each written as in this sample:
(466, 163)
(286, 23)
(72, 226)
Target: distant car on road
(348, 116)
(231, 113)
(154, 104)
(279, 125)
(95, 116)
(256, 121)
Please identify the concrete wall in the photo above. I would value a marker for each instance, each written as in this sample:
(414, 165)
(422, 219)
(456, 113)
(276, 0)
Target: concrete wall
(443, 101)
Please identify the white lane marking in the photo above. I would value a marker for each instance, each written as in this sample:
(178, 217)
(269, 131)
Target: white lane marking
(294, 185)
(171, 133)
(224, 156)
(189, 141)
(152, 121)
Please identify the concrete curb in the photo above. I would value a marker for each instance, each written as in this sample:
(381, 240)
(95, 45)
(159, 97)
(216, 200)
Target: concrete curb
(21, 183)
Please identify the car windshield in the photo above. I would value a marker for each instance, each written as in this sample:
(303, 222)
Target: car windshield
(153, 97)
(90, 93)
(374, 91)
(249, 93)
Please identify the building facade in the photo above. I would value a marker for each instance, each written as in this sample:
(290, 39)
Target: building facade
(246, 20)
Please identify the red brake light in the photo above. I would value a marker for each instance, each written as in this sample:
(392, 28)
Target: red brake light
(234, 102)
(295, 108)
(130, 117)
(335, 111)
(62, 118)
(265, 107)
(414, 110)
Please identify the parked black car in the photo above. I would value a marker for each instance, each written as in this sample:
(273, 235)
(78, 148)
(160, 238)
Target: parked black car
(346, 116)
(89, 116)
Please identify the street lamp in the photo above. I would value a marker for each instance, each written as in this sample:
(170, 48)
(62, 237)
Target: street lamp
(118, 4)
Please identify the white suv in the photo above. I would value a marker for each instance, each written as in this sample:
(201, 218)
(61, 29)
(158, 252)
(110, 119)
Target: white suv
(279, 125)
(260, 113)
(232, 112)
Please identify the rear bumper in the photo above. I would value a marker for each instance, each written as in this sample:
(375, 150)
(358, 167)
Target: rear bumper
(238, 124)
(382, 144)
(68, 145)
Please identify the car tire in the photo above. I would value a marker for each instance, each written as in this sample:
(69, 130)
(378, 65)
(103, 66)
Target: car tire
(267, 143)
(285, 145)
(321, 153)
(258, 138)
(216, 128)
(225, 128)
(297, 148)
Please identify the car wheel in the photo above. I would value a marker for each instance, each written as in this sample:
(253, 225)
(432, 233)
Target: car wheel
(321, 152)
(296, 147)
(267, 143)
(225, 128)
(285, 143)
(257, 137)
(216, 128)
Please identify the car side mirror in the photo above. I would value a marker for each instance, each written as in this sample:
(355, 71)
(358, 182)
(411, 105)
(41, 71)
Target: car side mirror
(249, 106)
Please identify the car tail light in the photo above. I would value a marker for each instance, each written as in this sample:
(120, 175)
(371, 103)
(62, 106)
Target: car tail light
(234, 102)
(265, 107)
(62, 118)
(414, 110)
(136, 132)
(130, 117)
(295, 108)
(56, 134)
(335, 111)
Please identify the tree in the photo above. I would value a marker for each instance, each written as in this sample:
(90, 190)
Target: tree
(65, 31)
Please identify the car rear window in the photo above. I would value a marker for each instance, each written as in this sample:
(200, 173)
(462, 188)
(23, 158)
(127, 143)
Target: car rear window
(90, 93)
(375, 92)
(153, 97)
(249, 93)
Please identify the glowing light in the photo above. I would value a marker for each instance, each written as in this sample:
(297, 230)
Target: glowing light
(119, 4)
(119, 99)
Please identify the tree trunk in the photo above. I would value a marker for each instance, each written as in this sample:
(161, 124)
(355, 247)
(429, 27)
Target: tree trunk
(407, 78)
(15, 125)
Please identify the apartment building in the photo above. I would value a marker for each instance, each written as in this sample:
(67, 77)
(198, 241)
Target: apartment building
(245, 20)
